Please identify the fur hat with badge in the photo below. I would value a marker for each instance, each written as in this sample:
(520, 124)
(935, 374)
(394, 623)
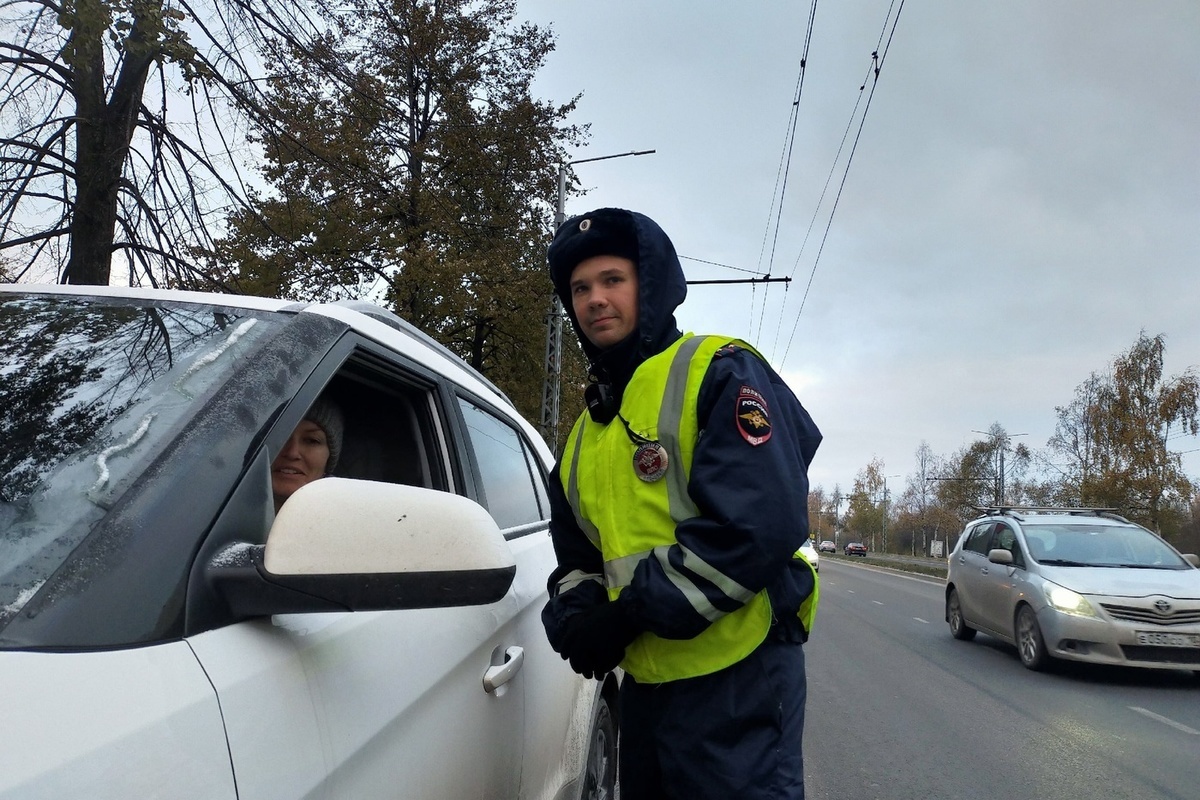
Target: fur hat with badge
(603, 232)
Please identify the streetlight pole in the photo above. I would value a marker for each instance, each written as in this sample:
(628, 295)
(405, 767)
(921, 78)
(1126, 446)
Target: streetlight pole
(885, 510)
(552, 383)
(1001, 448)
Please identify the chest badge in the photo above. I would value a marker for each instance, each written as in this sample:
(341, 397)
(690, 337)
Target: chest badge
(650, 461)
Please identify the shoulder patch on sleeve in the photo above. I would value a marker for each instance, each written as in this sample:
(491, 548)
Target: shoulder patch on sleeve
(751, 416)
(726, 350)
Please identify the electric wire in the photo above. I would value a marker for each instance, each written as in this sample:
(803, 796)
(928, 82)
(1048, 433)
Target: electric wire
(816, 214)
(877, 60)
(718, 264)
(785, 162)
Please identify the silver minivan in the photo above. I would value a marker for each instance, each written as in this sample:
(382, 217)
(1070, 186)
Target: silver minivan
(1075, 584)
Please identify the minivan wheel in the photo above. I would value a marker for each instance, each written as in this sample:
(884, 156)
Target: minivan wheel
(959, 628)
(600, 778)
(1030, 644)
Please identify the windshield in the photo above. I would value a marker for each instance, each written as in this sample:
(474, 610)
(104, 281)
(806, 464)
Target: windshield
(1100, 546)
(90, 389)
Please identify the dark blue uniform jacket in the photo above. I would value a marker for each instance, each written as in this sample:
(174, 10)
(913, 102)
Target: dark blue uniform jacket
(752, 498)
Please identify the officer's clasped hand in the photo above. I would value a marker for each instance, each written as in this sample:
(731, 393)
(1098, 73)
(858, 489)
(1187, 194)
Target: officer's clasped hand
(595, 640)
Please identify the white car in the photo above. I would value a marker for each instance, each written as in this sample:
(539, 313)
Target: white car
(810, 554)
(163, 633)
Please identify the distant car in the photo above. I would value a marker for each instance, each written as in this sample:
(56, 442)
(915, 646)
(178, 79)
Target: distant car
(826, 546)
(1075, 584)
(810, 554)
(855, 549)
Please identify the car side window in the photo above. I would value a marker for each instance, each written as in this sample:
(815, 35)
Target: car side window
(978, 538)
(387, 424)
(507, 469)
(1006, 539)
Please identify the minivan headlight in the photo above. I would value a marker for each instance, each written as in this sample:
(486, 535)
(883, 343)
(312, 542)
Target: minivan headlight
(1069, 602)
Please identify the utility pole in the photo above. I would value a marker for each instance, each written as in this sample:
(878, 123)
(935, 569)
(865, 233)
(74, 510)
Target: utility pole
(1001, 448)
(885, 509)
(837, 504)
(552, 383)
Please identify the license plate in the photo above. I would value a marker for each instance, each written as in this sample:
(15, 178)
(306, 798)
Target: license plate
(1156, 639)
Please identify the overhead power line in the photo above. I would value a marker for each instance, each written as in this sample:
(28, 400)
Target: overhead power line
(785, 163)
(718, 264)
(763, 279)
(878, 56)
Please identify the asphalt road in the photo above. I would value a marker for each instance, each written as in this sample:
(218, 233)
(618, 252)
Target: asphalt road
(898, 709)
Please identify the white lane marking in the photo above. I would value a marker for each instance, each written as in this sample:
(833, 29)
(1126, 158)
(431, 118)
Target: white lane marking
(922, 621)
(876, 602)
(1179, 726)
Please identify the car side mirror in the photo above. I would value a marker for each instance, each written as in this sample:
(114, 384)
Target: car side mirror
(349, 545)
(1192, 559)
(1000, 556)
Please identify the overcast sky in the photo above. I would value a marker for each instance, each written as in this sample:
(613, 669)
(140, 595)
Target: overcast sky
(1024, 198)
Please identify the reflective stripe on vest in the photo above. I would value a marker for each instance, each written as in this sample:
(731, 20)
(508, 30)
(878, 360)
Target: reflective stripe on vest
(808, 609)
(632, 520)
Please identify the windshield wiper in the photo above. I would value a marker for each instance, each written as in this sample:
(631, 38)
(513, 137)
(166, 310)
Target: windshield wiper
(1062, 562)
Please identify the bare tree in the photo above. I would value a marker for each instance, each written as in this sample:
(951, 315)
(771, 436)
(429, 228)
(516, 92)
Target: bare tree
(1077, 437)
(120, 128)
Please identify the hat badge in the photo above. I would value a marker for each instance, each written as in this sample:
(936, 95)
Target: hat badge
(585, 225)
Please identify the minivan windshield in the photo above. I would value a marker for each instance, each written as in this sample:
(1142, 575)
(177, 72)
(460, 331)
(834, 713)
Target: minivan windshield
(90, 390)
(1116, 546)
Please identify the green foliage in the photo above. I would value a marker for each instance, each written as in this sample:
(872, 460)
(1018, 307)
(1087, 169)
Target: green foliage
(409, 163)
(864, 517)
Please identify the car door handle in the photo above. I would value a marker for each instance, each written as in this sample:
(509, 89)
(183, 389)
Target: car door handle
(497, 676)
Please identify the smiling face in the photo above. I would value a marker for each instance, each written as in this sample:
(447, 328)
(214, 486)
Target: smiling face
(302, 460)
(604, 296)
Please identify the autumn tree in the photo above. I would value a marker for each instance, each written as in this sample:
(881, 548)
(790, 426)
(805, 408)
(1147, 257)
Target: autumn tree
(423, 178)
(1188, 538)
(919, 517)
(119, 129)
(822, 513)
(1078, 436)
(1115, 436)
(985, 472)
(865, 514)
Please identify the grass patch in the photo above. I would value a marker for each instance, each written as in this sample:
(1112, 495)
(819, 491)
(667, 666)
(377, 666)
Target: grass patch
(934, 567)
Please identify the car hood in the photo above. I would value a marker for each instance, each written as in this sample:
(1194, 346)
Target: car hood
(1183, 583)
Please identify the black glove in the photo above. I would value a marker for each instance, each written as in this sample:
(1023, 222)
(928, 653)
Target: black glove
(594, 641)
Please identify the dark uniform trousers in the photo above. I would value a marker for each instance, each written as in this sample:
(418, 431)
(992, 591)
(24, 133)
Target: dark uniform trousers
(733, 735)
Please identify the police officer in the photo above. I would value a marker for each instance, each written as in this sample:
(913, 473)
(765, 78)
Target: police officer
(678, 506)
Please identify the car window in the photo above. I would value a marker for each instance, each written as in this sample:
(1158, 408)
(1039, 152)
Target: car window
(978, 538)
(91, 391)
(393, 431)
(1005, 538)
(1101, 545)
(506, 468)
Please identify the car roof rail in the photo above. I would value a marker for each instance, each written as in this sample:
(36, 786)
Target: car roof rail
(1076, 511)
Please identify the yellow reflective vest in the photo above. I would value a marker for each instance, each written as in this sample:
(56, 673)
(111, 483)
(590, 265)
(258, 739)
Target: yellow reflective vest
(630, 519)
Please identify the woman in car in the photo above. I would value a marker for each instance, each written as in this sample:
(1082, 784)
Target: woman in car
(311, 452)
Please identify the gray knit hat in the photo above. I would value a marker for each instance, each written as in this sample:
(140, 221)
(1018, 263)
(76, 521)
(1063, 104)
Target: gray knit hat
(329, 417)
